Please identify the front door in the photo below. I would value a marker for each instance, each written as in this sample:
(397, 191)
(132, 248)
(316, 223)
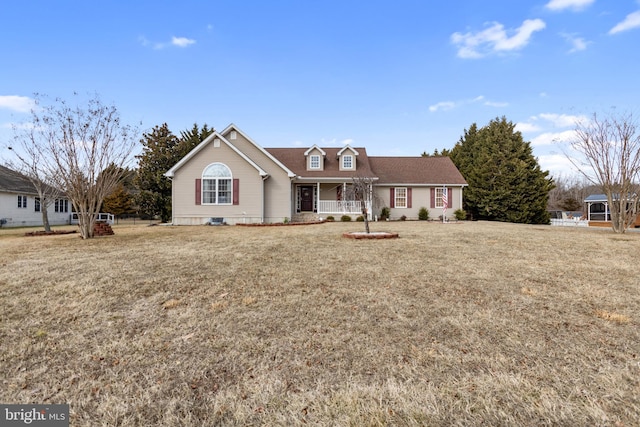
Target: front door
(306, 199)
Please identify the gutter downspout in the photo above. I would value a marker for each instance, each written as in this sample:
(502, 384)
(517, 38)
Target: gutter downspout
(173, 208)
(262, 209)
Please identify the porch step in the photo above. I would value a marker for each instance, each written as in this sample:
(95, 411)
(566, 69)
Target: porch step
(305, 217)
(101, 228)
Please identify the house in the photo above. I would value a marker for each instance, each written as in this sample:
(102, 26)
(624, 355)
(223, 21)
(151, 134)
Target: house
(20, 205)
(598, 212)
(230, 176)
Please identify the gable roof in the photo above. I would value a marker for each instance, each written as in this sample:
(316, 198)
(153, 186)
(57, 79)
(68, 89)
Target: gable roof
(295, 160)
(306, 153)
(15, 182)
(215, 135)
(348, 147)
(265, 152)
(208, 140)
(416, 170)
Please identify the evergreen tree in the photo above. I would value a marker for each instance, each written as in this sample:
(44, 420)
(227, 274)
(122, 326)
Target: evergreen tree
(161, 151)
(190, 138)
(159, 154)
(119, 202)
(505, 180)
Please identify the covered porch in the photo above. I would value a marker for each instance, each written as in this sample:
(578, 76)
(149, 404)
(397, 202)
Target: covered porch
(598, 211)
(328, 198)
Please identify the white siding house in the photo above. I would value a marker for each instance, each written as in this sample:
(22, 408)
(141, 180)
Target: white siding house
(20, 205)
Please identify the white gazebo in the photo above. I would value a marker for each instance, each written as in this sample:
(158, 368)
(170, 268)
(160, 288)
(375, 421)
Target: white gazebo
(598, 208)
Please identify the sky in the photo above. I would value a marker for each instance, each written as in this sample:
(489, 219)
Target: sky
(398, 77)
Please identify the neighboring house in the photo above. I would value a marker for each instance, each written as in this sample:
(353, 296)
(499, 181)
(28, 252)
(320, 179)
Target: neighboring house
(229, 176)
(20, 204)
(598, 212)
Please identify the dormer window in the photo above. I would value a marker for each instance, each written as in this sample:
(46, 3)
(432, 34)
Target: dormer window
(314, 161)
(315, 158)
(347, 158)
(347, 161)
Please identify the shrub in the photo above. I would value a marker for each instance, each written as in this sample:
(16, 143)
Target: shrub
(403, 218)
(385, 213)
(330, 218)
(360, 219)
(423, 214)
(460, 214)
(345, 218)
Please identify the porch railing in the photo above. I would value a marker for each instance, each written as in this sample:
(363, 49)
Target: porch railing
(106, 217)
(340, 207)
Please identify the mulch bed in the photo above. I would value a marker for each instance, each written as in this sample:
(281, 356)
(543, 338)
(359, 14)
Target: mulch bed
(372, 235)
(49, 233)
(280, 224)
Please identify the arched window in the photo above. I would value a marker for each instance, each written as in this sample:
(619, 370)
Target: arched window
(217, 185)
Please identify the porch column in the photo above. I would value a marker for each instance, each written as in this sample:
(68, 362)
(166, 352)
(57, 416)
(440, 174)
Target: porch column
(317, 198)
(344, 194)
(370, 203)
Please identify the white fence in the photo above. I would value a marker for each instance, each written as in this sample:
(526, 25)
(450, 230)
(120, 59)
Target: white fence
(340, 207)
(570, 222)
(106, 217)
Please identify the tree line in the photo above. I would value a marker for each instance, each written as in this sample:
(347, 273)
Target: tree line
(86, 151)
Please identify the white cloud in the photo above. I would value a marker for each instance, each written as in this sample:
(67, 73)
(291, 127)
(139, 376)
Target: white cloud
(21, 104)
(630, 22)
(496, 104)
(347, 141)
(550, 138)
(175, 41)
(181, 41)
(450, 105)
(577, 43)
(495, 39)
(568, 4)
(443, 106)
(527, 127)
(556, 164)
(562, 120)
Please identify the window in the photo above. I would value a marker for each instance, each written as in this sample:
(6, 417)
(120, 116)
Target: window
(217, 186)
(400, 197)
(347, 161)
(36, 204)
(233, 134)
(61, 205)
(22, 202)
(441, 198)
(314, 162)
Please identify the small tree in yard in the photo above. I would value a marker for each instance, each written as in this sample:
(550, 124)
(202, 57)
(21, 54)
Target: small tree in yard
(84, 148)
(610, 150)
(28, 161)
(361, 190)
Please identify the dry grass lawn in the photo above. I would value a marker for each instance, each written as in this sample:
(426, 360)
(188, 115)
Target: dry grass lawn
(451, 324)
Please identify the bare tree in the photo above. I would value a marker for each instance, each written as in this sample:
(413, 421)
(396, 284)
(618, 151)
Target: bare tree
(610, 150)
(27, 159)
(361, 190)
(569, 192)
(86, 148)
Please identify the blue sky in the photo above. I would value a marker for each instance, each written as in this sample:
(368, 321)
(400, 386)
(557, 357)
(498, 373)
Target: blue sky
(398, 78)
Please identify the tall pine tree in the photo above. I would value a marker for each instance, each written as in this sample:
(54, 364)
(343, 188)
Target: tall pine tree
(161, 150)
(505, 180)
